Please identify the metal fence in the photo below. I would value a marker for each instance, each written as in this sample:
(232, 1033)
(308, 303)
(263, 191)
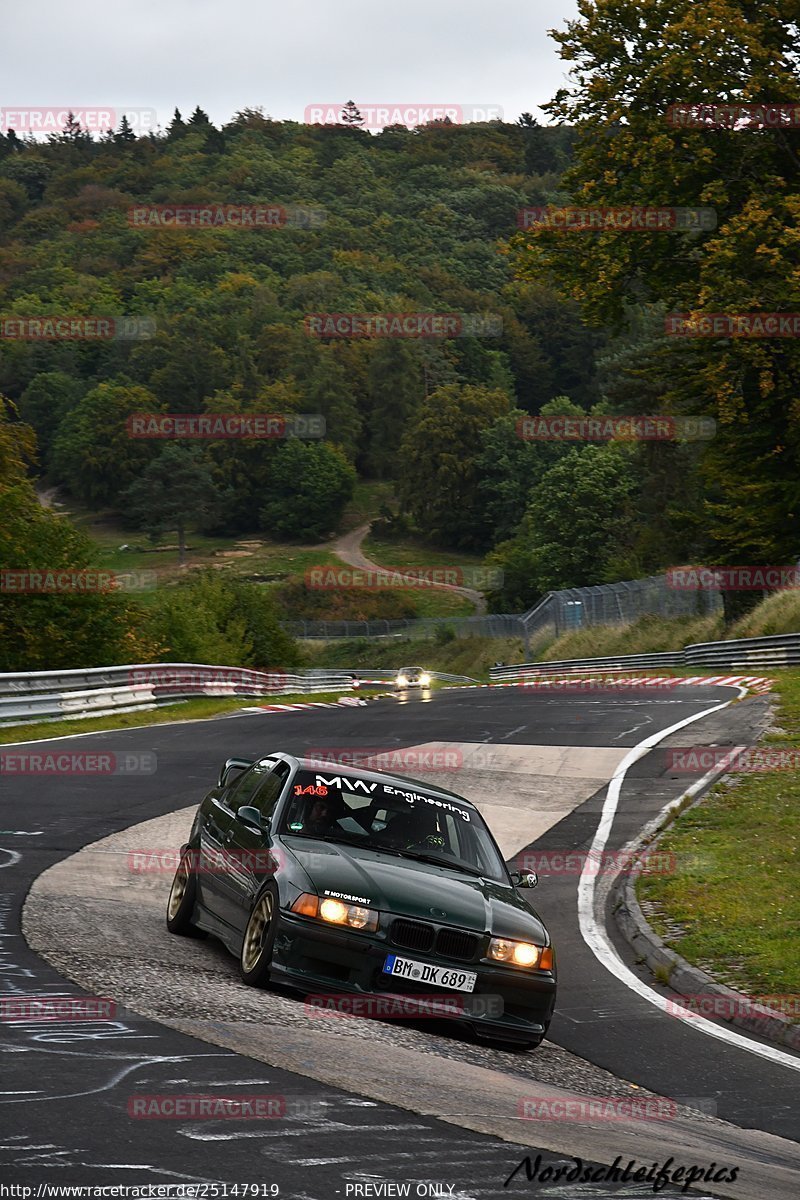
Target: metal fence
(556, 613)
(616, 604)
(493, 625)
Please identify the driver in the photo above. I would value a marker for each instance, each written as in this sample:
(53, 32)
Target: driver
(321, 816)
(415, 830)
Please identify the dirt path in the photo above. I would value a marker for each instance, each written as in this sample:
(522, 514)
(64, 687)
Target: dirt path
(348, 548)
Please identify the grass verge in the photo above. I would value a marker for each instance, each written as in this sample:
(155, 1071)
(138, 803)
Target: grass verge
(735, 892)
(471, 656)
(189, 710)
(648, 635)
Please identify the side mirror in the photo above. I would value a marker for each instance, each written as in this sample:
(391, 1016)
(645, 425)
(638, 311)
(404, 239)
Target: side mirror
(525, 879)
(251, 819)
(231, 765)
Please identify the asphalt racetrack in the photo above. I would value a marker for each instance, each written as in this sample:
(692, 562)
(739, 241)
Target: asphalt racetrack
(367, 1104)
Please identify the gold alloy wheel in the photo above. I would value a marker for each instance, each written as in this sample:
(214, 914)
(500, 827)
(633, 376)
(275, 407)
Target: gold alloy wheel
(256, 932)
(178, 889)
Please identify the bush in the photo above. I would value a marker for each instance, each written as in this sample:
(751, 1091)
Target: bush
(212, 619)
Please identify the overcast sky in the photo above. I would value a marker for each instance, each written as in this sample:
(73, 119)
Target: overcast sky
(225, 56)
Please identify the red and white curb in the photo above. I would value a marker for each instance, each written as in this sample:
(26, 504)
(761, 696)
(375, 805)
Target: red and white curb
(349, 701)
(753, 683)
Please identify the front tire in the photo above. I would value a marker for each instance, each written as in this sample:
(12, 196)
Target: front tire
(259, 937)
(182, 894)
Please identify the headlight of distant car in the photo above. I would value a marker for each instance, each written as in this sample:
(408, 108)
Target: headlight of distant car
(425, 679)
(520, 954)
(336, 912)
(401, 681)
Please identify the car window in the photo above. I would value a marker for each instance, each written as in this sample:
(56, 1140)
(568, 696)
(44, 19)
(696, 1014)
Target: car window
(381, 815)
(245, 787)
(266, 795)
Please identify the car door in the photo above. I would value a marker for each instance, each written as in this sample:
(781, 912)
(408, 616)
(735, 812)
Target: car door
(248, 850)
(212, 877)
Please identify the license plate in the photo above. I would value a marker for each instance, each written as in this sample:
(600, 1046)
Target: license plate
(420, 972)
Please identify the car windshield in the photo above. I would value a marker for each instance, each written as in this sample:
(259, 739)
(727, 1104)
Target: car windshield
(399, 820)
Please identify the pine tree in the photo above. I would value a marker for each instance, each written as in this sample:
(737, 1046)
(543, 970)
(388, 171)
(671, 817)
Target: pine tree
(351, 117)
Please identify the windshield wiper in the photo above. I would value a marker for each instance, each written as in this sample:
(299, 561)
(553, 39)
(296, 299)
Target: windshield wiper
(442, 862)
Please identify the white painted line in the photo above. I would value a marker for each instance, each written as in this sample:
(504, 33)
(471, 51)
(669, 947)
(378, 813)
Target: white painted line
(594, 933)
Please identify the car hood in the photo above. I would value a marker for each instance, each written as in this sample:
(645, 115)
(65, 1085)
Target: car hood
(417, 890)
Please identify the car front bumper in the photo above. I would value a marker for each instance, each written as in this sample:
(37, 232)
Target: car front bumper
(505, 1003)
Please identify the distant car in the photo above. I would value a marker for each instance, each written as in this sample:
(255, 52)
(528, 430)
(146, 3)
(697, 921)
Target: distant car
(412, 677)
(343, 880)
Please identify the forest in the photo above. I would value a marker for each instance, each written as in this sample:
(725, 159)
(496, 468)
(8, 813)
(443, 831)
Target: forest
(222, 317)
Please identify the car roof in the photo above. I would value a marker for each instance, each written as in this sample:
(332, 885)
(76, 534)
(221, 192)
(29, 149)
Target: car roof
(308, 764)
(409, 668)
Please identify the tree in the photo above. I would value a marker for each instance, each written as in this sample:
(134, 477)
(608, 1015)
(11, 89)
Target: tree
(199, 117)
(331, 394)
(632, 59)
(351, 117)
(396, 390)
(176, 127)
(124, 133)
(44, 404)
(59, 629)
(174, 491)
(93, 454)
(509, 467)
(439, 453)
(570, 528)
(310, 485)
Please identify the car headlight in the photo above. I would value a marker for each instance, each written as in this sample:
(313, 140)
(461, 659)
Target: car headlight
(336, 912)
(520, 954)
(401, 681)
(425, 679)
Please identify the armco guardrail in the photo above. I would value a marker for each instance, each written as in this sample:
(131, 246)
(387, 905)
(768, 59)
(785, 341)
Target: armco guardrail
(783, 650)
(99, 691)
(55, 695)
(621, 662)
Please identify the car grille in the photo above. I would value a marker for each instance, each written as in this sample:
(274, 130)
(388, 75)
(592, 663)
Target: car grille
(418, 935)
(412, 935)
(453, 943)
